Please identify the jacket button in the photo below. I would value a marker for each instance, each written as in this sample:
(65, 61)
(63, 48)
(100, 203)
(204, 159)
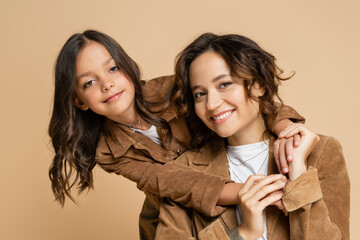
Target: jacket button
(163, 131)
(138, 143)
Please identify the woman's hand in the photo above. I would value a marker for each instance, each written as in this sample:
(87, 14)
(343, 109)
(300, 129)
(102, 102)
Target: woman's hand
(308, 140)
(258, 192)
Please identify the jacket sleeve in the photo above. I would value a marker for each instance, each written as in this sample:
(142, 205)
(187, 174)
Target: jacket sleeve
(284, 112)
(318, 201)
(180, 183)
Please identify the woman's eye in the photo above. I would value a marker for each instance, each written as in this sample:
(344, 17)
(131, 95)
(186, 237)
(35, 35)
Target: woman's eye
(89, 83)
(114, 69)
(225, 84)
(198, 95)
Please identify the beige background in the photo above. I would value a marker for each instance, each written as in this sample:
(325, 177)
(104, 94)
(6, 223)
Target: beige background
(318, 39)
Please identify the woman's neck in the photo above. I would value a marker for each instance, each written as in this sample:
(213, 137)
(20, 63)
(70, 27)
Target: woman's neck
(252, 133)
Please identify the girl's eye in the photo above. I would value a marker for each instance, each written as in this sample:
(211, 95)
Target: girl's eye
(225, 84)
(89, 83)
(114, 69)
(198, 95)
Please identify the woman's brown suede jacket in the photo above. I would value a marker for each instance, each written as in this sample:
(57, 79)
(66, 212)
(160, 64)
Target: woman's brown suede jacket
(317, 202)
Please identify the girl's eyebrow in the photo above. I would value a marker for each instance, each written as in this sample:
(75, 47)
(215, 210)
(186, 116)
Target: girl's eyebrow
(106, 62)
(215, 79)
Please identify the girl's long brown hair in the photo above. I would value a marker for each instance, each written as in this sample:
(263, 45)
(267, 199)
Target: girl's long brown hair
(74, 133)
(246, 60)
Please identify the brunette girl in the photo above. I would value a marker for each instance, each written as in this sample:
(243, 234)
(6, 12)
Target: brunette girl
(103, 114)
(227, 84)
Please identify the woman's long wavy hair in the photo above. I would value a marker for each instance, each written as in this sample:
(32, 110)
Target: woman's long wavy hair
(245, 59)
(74, 133)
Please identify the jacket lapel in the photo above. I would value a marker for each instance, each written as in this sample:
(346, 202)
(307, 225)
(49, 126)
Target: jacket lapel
(272, 212)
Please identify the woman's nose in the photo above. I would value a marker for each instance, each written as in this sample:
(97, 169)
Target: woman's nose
(214, 100)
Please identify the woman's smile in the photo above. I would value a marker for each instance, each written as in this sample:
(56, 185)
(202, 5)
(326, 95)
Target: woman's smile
(222, 117)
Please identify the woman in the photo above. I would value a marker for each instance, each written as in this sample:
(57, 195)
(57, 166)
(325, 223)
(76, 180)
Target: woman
(227, 84)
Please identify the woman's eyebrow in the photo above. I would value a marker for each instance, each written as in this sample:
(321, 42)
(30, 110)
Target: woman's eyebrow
(215, 79)
(220, 77)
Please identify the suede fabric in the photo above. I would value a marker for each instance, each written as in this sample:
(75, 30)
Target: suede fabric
(317, 202)
(153, 168)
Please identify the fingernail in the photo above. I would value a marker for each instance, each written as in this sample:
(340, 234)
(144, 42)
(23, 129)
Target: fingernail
(289, 157)
(285, 170)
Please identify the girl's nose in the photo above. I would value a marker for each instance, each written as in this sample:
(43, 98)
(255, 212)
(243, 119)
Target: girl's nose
(107, 85)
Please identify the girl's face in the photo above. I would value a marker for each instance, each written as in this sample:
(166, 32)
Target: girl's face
(101, 86)
(221, 101)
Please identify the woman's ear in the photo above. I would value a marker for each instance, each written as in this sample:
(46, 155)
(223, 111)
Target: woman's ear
(80, 104)
(257, 90)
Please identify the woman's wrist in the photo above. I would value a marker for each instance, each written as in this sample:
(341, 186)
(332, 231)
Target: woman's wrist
(296, 169)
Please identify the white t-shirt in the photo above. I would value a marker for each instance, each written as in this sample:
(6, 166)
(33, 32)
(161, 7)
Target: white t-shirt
(246, 160)
(150, 133)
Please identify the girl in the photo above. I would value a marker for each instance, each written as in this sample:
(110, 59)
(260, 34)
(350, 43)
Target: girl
(104, 114)
(228, 85)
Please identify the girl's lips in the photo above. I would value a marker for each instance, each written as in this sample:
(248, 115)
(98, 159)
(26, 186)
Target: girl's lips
(221, 117)
(113, 98)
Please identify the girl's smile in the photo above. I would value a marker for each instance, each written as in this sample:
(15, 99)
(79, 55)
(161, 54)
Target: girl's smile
(113, 98)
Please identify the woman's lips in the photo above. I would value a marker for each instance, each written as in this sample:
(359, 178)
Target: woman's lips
(113, 98)
(221, 117)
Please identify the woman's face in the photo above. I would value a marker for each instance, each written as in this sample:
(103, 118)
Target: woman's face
(101, 86)
(221, 101)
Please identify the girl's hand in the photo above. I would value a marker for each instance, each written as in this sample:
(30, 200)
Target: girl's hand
(283, 151)
(308, 141)
(258, 192)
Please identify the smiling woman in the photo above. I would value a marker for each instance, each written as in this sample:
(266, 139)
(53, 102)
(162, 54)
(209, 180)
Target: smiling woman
(221, 100)
(228, 84)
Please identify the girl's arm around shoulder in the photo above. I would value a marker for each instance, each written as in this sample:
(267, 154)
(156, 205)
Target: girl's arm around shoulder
(176, 181)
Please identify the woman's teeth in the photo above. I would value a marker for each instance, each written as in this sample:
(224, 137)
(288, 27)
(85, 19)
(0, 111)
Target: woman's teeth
(222, 116)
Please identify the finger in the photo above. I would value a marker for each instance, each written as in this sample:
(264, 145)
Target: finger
(297, 139)
(268, 189)
(270, 199)
(282, 156)
(249, 183)
(279, 204)
(298, 129)
(275, 179)
(283, 133)
(289, 147)
(276, 155)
